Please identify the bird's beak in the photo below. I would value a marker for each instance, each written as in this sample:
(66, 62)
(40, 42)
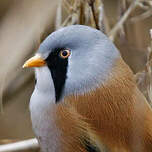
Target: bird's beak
(35, 61)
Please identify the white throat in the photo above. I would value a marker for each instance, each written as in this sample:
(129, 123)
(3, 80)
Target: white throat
(41, 103)
(44, 92)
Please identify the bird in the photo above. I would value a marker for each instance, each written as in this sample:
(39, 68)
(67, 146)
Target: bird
(85, 97)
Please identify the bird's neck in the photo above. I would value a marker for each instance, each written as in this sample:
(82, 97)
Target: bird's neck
(43, 96)
(41, 106)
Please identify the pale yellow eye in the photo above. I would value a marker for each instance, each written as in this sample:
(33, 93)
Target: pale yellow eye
(65, 54)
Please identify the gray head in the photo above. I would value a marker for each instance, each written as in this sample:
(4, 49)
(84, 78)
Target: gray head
(78, 60)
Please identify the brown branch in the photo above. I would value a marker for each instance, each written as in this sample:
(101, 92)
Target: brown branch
(91, 4)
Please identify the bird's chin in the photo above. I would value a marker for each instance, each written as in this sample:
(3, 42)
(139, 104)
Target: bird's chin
(44, 80)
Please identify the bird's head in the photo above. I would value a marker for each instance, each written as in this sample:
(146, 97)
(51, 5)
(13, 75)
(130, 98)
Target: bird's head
(73, 60)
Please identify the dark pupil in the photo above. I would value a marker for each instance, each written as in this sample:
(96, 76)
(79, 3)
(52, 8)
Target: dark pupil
(64, 53)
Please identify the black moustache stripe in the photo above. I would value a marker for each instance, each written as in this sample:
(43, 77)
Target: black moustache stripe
(58, 69)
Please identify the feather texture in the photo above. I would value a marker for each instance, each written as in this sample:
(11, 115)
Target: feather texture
(117, 112)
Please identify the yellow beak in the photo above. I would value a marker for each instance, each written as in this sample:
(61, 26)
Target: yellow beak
(35, 61)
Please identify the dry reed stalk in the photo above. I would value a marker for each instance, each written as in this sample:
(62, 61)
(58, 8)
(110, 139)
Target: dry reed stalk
(82, 12)
(149, 71)
(144, 78)
(30, 144)
(118, 26)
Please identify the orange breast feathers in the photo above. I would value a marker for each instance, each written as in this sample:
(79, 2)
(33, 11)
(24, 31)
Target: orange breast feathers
(115, 115)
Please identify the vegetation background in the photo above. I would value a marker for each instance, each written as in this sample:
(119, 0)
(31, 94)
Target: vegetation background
(25, 23)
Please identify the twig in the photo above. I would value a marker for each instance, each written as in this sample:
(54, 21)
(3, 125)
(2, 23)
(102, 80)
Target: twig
(82, 12)
(1, 94)
(87, 14)
(101, 15)
(91, 4)
(149, 72)
(58, 20)
(67, 4)
(71, 9)
(66, 20)
(68, 10)
(113, 32)
(142, 16)
(76, 6)
(141, 5)
(20, 146)
(74, 19)
(151, 33)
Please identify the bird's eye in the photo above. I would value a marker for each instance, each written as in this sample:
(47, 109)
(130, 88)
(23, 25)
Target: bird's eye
(64, 54)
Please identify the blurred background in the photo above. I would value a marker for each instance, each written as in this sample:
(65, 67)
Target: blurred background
(25, 23)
